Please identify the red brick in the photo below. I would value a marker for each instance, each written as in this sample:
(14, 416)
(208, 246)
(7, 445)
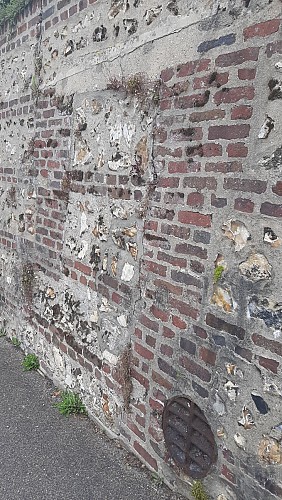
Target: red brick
(273, 48)
(201, 116)
(195, 199)
(192, 67)
(167, 74)
(277, 189)
(229, 132)
(176, 290)
(168, 333)
(200, 332)
(176, 231)
(224, 167)
(218, 202)
(214, 79)
(194, 250)
(183, 167)
(234, 94)
(244, 205)
(262, 29)
(194, 218)
(246, 74)
(167, 350)
(237, 150)
(188, 346)
(172, 182)
(166, 368)
(269, 364)
(195, 369)
(159, 314)
(151, 341)
(207, 356)
(271, 345)
(211, 149)
(239, 57)
(171, 259)
(245, 185)
(143, 351)
(220, 324)
(145, 455)
(161, 380)
(244, 353)
(178, 322)
(200, 182)
(133, 427)
(228, 474)
(148, 323)
(162, 151)
(184, 308)
(187, 134)
(192, 101)
(155, 268)
(271, 209)
(140, 378)
(241, 112)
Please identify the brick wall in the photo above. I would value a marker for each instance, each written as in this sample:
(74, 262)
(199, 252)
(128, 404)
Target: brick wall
(140, 230)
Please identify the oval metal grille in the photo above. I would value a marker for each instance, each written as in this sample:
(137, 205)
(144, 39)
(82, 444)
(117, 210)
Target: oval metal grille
(188, 437)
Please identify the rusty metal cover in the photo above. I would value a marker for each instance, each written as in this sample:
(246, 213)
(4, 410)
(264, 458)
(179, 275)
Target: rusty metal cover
(188, 437)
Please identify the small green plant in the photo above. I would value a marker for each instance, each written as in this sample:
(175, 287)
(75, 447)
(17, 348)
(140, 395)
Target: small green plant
(3, 332)
(157, 480)
(198, 491)
(30, 362)
(71, 404)
(15, 342)
(217, 273)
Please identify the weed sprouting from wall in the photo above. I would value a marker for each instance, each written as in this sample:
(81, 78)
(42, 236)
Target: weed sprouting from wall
(9, 10)
(146, 91)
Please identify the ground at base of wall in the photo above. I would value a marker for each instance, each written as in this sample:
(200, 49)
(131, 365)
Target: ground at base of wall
(60, 457)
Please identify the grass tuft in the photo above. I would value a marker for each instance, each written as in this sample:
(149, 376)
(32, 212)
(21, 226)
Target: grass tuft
(71, 404)
(30, 362)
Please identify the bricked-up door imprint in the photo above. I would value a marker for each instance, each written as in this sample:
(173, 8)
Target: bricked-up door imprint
(188, 436)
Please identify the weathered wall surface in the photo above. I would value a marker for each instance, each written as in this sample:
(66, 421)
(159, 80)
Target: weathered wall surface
(141, 219)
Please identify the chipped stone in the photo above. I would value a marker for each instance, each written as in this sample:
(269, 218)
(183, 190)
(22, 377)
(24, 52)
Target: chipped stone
(127, 272)
(270, 451)
(260, 403)
(231, 389)
(237, 232)
(256, 268)
(114, 265)
(240, 441)
(141, 155)
(271, 238)
(221, 433)
(219, 405)
(266, 128)
(83, 223)
(122, 320)
(247, 419)
(152, 14)
(222, 298)
(231, 368)
(129, 231)
(266, 309)
(50, 293)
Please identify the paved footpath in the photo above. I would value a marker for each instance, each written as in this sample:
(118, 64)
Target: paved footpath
(47, 456)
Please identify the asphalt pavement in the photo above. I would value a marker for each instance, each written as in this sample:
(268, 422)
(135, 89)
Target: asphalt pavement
(47, 456)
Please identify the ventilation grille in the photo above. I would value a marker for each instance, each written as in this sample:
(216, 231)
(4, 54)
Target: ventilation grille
(188, 437)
